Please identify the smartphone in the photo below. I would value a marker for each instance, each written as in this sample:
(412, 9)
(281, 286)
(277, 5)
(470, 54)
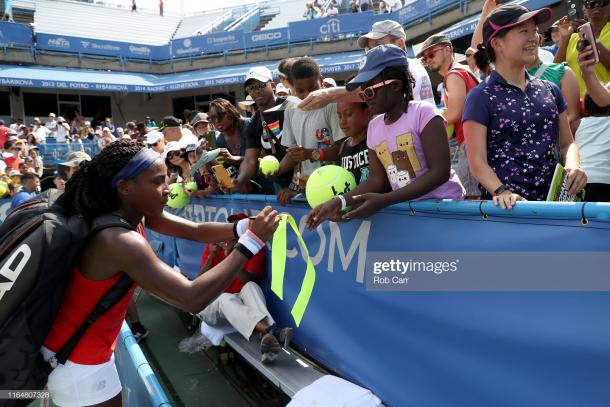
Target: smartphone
(587, 38)
(574, 10)
(210, 137)
(222, 176)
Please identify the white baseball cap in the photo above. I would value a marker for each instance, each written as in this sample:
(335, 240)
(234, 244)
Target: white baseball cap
(260, 73)
(153, 136)
(171, 146)
(330, 81)
(382, 29)
(279, 88)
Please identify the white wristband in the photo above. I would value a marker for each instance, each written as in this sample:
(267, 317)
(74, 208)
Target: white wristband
(241, 227)
(251, 242)
(343, 202)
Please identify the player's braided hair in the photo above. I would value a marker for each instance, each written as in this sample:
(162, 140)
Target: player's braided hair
(88, 192)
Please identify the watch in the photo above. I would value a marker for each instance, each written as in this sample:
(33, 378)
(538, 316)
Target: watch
(500, 189)
(316, 155)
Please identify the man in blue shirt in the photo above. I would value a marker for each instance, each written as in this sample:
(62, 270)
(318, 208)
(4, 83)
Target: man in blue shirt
(30, 188)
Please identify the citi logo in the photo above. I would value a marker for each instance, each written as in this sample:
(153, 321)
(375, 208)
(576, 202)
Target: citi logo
(13, 266)
(267, 36)
(332, 26)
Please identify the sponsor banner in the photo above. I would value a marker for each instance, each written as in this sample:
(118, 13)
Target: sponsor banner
(78, 45)
(266, 37)
(207, 44)
(332, 27)
(15, 34)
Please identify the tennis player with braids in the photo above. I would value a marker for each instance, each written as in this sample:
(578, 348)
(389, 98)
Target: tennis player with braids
(128, 180)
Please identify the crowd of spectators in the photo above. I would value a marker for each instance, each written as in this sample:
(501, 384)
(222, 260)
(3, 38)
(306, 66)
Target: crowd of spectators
(513, 113)
(316, 8)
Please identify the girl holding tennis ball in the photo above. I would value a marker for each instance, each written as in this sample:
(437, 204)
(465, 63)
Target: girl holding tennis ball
(408, 147)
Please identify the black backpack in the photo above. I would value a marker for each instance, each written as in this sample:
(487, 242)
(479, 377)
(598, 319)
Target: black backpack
(39, 247)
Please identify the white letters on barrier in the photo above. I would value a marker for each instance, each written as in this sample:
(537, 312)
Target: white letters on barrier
(267, 36)
(328, 244)
(332, 26)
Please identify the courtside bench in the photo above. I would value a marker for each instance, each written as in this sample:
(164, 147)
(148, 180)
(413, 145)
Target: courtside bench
(290, 372)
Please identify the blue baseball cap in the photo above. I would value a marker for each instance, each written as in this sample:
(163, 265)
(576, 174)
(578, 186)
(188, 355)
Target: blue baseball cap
(375, 61)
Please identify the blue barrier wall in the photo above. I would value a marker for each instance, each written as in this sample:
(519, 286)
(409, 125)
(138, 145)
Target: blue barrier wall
(445, 348)
(140, 385)
(15, 34)
(442, 348)
(64, 43)
(207, 44)
(55, 153)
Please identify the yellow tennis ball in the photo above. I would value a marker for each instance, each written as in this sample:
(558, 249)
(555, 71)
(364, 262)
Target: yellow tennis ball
(177, 197)
(191, 186)
(269, 165)
(327, 182)
(3, 189)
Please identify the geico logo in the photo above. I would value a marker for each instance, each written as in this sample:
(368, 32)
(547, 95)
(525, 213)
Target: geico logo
(267, 36)
(332, 26)
(13, 266)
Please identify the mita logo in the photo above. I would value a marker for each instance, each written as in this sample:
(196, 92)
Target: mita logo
(13, 267)
(85, 44)
(59, 42)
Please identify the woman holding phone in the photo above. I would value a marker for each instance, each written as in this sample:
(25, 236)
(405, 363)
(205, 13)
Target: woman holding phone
(514, 123)
(596, 12)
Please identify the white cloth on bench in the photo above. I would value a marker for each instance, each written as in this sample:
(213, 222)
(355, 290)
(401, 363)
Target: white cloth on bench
(333, 391)
(216, 333)
(241, 311)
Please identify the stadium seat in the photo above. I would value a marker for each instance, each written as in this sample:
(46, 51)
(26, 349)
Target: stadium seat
(103, 23)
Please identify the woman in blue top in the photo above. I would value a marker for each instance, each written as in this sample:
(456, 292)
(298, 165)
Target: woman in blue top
(514, 123)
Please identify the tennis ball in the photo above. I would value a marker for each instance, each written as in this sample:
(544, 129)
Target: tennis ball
(3, 189)
(327, 182)
(191, 186)
(269, 165)
(177, 197)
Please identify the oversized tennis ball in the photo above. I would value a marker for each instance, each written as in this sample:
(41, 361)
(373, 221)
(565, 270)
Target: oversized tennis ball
(269, 165)
(3, 189)
(327, 182)
(191, 186)
(177, 197)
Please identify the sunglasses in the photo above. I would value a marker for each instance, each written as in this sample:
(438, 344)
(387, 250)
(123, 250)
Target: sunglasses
(369, 93)
(255, 86)
(430, 54)
(153, 145)
(595, 4)
(173, 154)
